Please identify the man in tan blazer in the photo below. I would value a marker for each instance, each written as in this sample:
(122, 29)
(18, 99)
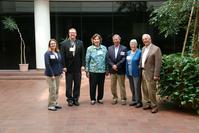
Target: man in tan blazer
(150, 64)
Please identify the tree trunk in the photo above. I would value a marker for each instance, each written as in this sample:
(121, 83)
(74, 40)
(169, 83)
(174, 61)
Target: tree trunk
(23, 48)
(195, 44)
(188, 27)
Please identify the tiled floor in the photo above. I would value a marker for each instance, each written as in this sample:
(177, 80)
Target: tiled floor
(23, 109)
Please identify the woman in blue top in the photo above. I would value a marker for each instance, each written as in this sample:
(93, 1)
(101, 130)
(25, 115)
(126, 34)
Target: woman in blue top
(96, 68)
(53, 72)
(133, 73)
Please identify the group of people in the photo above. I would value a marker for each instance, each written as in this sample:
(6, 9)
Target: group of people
(142, 67)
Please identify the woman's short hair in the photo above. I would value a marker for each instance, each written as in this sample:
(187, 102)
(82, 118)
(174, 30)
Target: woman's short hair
(134, 41)
(57, 47)
(96, 35)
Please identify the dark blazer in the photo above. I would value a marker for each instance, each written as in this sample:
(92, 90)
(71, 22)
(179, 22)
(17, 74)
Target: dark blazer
(73, 63)
(119, 61)
(135, 61)
(153, 62)
(53, 64)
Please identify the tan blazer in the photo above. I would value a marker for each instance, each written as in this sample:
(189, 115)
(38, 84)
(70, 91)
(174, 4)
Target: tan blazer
(153, 62)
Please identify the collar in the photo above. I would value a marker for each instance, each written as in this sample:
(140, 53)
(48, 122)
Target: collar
(72, 40)
(97, 47)
(117, 46)
(148, 47)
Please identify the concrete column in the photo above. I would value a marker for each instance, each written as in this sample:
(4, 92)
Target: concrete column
(42, 30)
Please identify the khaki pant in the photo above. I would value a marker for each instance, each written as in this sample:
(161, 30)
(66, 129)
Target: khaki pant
(148, 91)
(121, 81)
(53, 90)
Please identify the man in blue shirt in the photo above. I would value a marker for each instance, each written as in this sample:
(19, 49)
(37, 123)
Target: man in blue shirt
(116, 61)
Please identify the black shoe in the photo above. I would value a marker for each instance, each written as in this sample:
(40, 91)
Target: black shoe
(70, 103)
(76, 103)
(138, 105)
(133, 103)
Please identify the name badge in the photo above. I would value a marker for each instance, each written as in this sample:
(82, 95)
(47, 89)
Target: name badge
(99, 52)
(122, 53)
(52, 56)
(72, 49)
(128, 57)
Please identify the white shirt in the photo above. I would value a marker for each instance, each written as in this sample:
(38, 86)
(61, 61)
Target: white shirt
(116, 51)
(146, 50)
(56, 55)
(73, 46)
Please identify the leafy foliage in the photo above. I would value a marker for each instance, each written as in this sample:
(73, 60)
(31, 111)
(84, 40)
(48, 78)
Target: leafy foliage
(180, 80)
(9, 24)
(171, 16)
(131, 6)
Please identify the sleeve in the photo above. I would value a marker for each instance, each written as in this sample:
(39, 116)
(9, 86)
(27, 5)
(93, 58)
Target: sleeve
(106, 61)
(139, 57)
(83, 55)
(109, 61)
(47, 64)
(158, 62)
(140, 63)
(63, 55)
(122, 61)
(126, 65)
(87, 59)
(61, 60)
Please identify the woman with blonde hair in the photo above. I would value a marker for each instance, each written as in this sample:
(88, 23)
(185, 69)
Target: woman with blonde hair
(53, 71)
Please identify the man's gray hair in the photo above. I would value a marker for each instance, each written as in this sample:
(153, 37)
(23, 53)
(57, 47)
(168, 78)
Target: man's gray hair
(147, 35)
(116, 36)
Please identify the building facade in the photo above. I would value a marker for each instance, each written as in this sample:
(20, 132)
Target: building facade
(40, 20)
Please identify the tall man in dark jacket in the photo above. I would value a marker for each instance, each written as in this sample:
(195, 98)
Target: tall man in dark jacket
(116, 60)
(73, 61)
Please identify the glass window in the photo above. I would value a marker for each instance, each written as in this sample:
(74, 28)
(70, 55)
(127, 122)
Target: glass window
(22, 13)
(129, 19)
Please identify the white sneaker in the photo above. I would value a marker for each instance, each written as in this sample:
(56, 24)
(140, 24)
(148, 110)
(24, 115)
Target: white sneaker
(52, 108)
(123, 102)
(100, 101)
(93, 102)
(114, 101)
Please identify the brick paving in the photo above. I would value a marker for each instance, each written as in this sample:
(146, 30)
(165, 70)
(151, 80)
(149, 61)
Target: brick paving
(23, 109)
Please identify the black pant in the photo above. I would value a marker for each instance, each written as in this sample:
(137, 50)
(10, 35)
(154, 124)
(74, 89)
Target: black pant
(96, 79)
(73, 94)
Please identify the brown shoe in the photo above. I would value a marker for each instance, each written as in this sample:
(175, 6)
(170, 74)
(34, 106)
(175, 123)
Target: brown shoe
(146, 107)
(154, 110)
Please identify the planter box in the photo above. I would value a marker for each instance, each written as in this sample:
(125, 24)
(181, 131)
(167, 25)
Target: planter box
(23, 67)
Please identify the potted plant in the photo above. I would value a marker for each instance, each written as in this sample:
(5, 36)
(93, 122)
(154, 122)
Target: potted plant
(10, 24)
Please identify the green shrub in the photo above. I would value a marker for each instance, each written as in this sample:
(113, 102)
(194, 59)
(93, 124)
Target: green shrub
(180, 80)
